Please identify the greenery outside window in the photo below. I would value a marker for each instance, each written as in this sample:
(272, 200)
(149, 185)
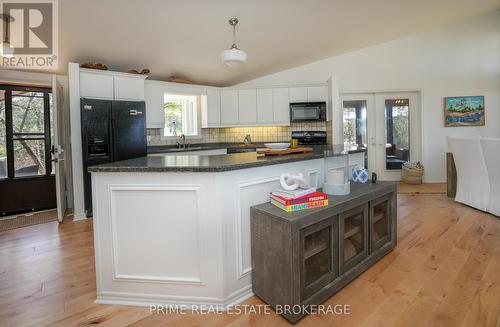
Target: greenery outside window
(181, 115)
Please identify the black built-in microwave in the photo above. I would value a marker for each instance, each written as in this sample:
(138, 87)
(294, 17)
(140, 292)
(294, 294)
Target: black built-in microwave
(307, 111)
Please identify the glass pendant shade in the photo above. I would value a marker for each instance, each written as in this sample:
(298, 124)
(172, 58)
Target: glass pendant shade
(7, 50)
(233, 58)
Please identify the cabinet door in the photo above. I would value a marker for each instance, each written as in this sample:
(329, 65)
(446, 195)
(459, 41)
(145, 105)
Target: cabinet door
(317, 94)
(128, 88)
(319, 263)
(212, 110)
(265, 106)
(154, 97)
(229, 107)
(247, 106)
(96, 86)
(298, 94)
(353, 237)
(281, 106)
(381, 222)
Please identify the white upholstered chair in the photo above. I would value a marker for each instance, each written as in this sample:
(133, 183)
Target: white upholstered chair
(491, 152)
(473, 184)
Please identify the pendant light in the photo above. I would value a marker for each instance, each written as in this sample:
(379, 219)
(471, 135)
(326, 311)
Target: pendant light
(7, 50)
(233, 58)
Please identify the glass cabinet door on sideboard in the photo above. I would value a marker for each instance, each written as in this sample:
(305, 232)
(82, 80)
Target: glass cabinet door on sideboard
(380, 222)
(318, 244)
(353, 233)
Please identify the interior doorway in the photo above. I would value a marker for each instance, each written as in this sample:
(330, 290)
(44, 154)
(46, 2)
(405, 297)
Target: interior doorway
(388, 124)
(27, 179)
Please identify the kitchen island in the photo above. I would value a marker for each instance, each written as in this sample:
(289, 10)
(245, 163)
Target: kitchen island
(175, 229)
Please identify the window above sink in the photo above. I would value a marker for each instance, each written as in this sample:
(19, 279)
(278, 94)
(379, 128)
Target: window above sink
(181, 115)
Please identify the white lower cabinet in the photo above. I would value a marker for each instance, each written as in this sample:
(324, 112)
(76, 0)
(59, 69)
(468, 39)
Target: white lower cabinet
(229, 107)
(247, 106)
(281, 106)
(265, 106)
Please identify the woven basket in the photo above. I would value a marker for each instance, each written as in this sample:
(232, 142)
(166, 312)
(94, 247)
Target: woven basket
(412, 176)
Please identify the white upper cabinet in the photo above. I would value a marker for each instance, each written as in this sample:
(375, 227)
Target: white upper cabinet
(154, 97)
(229, 107)
(111, 85)
(96, 85)
(309, 93)
(281, 106)
(298, 94)
(317, 93)
(210, 109)
(129, 88)
(247, 106)
(265, 106)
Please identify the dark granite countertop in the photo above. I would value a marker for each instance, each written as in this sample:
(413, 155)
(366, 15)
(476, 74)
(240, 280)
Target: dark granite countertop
(204, 163)
(201, 146)
(153, 149)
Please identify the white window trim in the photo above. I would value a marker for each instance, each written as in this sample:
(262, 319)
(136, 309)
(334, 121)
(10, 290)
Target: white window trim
(198, 119)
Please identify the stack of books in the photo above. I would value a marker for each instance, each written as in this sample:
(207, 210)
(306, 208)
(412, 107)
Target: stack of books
(299, 199)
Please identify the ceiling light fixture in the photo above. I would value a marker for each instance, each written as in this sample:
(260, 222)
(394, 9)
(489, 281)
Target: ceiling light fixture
(233, 57)
(7, 50)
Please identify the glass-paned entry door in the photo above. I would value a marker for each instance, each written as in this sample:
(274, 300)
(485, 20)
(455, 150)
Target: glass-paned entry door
(388, 125)
(29, 125)
(26, 179)
(397, 132)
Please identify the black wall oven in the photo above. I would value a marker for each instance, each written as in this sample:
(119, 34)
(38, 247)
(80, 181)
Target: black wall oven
(308, 111)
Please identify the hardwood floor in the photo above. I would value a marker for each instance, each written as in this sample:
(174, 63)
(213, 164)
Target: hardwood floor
(445, 271)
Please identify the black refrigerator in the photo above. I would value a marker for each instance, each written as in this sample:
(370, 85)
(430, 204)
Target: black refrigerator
(111, 131)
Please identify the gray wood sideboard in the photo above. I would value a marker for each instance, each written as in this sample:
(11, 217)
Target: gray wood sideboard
(300, 259)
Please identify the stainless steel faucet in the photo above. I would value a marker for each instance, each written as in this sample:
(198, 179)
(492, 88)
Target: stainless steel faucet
(248, 139)
(183, 142)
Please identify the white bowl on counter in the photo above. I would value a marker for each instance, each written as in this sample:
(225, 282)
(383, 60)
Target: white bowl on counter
(277, 146)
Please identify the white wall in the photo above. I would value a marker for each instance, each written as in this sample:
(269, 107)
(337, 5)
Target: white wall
(459, 59)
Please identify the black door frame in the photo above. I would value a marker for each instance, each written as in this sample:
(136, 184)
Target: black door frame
(11, 184)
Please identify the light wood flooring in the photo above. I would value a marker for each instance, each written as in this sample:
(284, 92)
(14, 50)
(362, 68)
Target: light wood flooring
(426, 188)
(445, 271)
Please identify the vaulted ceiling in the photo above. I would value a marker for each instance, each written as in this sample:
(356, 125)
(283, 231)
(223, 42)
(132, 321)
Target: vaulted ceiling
(185, 37)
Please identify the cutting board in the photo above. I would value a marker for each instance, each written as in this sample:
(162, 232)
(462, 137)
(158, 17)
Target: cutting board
(271, 152)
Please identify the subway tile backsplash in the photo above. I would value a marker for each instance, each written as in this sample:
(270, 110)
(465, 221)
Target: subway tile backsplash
(237, 134)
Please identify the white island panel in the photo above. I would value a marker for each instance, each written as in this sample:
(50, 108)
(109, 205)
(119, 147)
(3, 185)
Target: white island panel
(155, 227)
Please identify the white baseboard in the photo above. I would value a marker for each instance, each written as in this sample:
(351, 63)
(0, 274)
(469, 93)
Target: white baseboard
(147, 300)
(79, 216)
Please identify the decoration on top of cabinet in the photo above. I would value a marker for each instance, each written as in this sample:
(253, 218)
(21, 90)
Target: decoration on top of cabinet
(177, 79)
(145, 71)
(94, 65)
(291, 182)
(233, 57)
(464, 111)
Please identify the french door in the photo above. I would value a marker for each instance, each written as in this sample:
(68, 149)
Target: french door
(26, 170)
(388, 124)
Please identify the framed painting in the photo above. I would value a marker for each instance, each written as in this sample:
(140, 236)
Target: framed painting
(464, 111)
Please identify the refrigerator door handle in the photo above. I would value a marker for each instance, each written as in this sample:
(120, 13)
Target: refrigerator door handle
(134, 112)
(111, 139)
